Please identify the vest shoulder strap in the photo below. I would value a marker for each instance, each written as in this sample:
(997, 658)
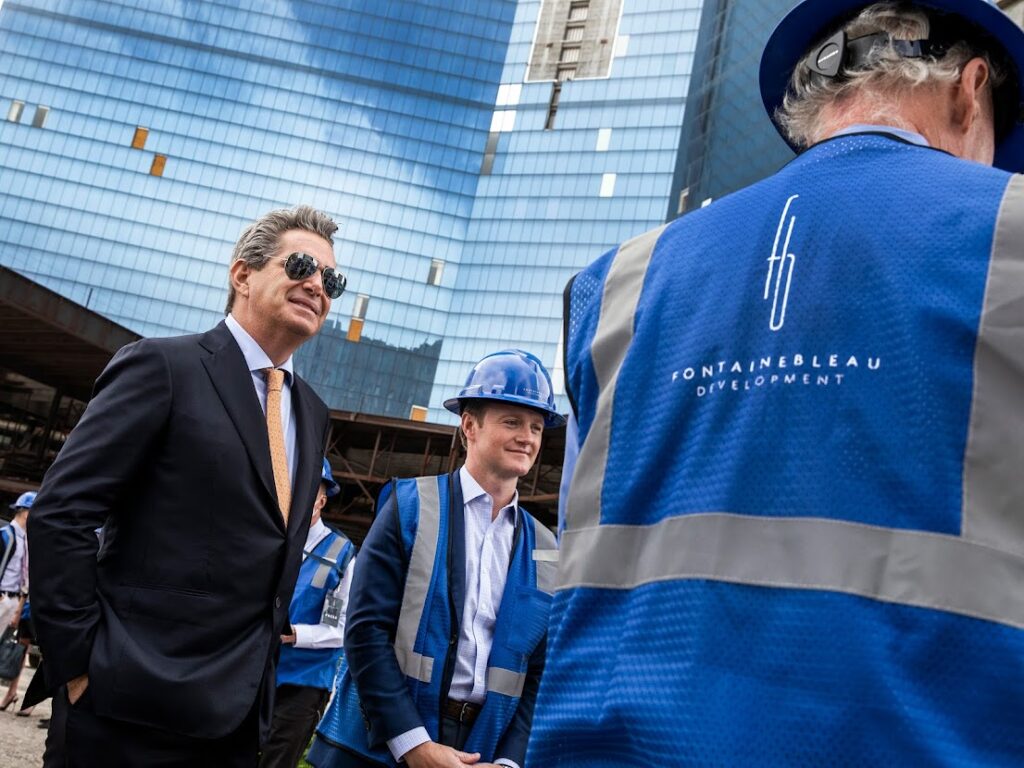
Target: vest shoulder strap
(349, 551)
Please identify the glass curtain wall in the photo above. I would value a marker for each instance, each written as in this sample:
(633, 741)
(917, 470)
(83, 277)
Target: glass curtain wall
(581, 153)
(138, 139)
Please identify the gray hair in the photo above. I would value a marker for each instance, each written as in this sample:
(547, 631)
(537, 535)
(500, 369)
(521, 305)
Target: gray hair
(259, 240)
(881, 81)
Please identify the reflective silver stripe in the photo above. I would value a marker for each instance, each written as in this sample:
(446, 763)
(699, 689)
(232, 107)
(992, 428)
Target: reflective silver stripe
(505, 681)
(545, 558)
(417, 582)
(612, 338)
(415, 665)
(993, 481)
(320, 574)
(927, 570)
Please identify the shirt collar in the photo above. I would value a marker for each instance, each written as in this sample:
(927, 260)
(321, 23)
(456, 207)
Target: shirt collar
(901, 133)
(471, 490)
(317, 531)
(254, 355)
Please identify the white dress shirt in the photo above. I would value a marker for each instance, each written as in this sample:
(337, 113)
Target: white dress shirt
(257, 360)
(324, 635)
(488, 550)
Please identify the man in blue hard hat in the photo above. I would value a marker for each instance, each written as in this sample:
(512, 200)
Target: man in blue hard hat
(14, 560)
(312, 643)
(14, 574)
(448, 615)
(792, 529)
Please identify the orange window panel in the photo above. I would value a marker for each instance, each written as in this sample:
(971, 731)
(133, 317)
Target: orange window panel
(157, 168)
(355, 329)
(139, 139)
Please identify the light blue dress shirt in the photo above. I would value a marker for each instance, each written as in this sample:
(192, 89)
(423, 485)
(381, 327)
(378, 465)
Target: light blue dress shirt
(488, 550)
(257, 360)
(900, 133)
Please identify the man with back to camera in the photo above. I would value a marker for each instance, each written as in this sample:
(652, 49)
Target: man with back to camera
(814, 553)
(311, 646)
(200, 455)
(448, 613)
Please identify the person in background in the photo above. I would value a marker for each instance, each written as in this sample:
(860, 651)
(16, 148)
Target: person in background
(311, 645)
(14, 576)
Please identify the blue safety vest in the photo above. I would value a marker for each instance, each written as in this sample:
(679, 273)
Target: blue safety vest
(320, 574)
(795, 530)
(425, 625)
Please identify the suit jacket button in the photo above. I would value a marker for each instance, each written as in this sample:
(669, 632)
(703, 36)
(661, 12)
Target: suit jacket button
(277, 601)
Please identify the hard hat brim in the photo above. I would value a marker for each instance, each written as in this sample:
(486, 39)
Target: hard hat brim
(551, 418)
(810, 20)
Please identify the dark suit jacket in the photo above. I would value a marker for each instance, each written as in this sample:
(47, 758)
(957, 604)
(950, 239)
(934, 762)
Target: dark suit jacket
(178, 620)
(375, 601)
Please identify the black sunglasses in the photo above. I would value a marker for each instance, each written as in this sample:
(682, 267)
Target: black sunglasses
(299, 266)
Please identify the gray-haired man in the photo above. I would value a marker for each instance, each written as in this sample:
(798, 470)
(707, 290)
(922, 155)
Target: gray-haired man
(200, 455)
(814, 554)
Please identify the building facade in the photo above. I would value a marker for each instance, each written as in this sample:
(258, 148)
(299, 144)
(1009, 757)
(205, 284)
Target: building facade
(141, 137)
(476, 154)
(727, 141)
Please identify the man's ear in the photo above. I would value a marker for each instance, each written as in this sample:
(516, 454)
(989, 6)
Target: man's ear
(468, 424)
(972, 98)
(239, 274)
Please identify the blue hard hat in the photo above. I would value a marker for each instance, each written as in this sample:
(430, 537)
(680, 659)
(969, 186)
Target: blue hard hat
(333, 489)
(25, 501)
(510, 376)
(811, 20)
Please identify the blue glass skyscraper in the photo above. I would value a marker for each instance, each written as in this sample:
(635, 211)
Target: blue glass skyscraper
(580, 157)
(475, 152)
(141, 137)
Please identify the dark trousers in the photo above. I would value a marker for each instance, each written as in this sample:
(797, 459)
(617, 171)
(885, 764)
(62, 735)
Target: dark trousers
(297, 710)
(453, 733)
(101, 742)
(55, 754)
(324, 755)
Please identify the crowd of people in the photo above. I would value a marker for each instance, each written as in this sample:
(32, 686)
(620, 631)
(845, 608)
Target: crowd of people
(790, 526)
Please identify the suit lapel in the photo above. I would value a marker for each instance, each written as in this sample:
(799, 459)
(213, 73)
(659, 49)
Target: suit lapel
(307, 443)
(230, 375)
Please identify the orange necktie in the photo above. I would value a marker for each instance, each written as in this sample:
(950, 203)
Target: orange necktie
(278, 456)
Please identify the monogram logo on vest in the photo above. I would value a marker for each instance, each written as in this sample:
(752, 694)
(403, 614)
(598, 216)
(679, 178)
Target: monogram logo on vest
(780, 270)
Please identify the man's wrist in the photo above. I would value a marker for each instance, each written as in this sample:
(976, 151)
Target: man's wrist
(301, 633)
(404, 743)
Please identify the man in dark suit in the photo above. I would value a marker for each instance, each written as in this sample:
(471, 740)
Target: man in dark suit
(200, 456)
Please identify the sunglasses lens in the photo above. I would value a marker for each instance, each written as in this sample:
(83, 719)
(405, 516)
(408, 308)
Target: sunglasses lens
(334, 283)
(299, 266)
